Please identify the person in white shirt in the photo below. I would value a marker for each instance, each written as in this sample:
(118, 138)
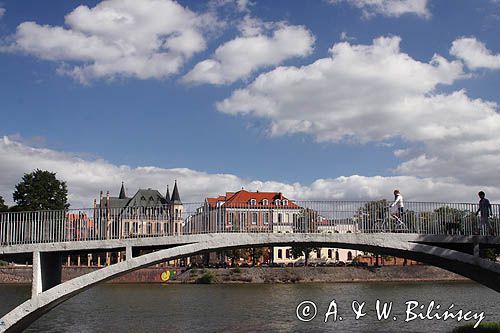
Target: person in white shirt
(398, 203)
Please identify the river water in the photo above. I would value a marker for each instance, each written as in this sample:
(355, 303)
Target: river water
(255, 307)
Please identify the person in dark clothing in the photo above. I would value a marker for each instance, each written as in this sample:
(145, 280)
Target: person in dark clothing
(485, 210)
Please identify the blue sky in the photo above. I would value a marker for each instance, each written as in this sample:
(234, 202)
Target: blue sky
(169, 119)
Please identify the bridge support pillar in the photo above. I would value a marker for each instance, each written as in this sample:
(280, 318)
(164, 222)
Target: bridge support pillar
(476, 250)
(47, 268)
(130, 252)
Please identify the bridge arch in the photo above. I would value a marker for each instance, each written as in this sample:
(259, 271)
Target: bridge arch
(475, 268)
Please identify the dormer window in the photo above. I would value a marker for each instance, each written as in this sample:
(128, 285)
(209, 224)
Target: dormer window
(277, 202)
(265, 202)
(285, 202)
(253, 202)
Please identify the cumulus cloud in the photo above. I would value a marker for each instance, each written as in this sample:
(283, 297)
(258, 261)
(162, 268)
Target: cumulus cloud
(376, 93)
(85, 178)
(474, 53)
(390, 8)
(261, 44)
(243, 5)
(145, 39)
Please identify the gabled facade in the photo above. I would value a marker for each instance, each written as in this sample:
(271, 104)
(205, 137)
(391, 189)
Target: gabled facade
(147, 213)
(246, 211)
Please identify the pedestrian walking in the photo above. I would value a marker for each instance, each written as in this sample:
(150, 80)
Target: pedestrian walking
(485, 210)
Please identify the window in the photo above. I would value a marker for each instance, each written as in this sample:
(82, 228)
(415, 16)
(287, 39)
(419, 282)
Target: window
(149, 228)
(318, 253)
(288, 253)
(135, 227)
(165, 228)
(253, 202)
(254, 218)
(277, 202)
(243, 218)
(127, 229)
(349, 255)
(158, 228)
(337, 255)
(285, 202)
(280, 217)
(329, 253)
(266, 218)
(287, 217)
(230, 218)
(280, 254)
(294, 217)
(265, 202)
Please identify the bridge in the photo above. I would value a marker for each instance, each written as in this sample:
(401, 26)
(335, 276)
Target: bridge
(445, 235)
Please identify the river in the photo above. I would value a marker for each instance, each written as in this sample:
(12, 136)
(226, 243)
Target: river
(254, 307)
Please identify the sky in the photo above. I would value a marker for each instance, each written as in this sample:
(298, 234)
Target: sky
(318, 99)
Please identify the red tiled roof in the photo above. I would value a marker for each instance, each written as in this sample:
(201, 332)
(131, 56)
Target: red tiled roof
(213, 201)
(242, 199)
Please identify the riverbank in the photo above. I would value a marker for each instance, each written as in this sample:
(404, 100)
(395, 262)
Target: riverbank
(414, 273)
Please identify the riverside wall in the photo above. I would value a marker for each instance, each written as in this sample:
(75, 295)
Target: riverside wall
(413, 273)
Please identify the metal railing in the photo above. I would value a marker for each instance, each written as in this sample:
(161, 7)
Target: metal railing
(284, 217)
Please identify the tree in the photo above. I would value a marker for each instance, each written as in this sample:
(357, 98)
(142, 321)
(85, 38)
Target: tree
(257, 252)
(368, 215)
(40, 190)
(3, 206)
(303, 250)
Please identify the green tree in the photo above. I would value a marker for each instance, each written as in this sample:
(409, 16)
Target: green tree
(452, 219)
(303, 250)
(235, 255)
(368, 215)
(257, 252)
(40, 190)
(3, 206)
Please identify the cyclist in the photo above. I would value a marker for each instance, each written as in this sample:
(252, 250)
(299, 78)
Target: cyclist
(398, 203)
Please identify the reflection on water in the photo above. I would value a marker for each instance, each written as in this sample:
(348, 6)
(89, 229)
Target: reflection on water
(251, 307)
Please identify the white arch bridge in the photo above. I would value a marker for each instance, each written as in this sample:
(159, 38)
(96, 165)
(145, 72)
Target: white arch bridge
(45, 237)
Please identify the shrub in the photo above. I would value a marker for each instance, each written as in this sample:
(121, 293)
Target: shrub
(237, 270)
(206, 278)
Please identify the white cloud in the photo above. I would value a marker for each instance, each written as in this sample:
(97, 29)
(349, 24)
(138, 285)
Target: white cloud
(243, 5)
(376, 93)
(344, 36)
(391, 8)
(143, 39)
(2, 12)
(260, 45)
(474, 53)
(85, 178)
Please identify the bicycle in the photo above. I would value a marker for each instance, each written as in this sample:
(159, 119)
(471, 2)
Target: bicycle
(390, 222)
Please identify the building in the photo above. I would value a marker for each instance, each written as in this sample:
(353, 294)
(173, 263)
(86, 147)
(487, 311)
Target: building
(246, 211)
(146, 213)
